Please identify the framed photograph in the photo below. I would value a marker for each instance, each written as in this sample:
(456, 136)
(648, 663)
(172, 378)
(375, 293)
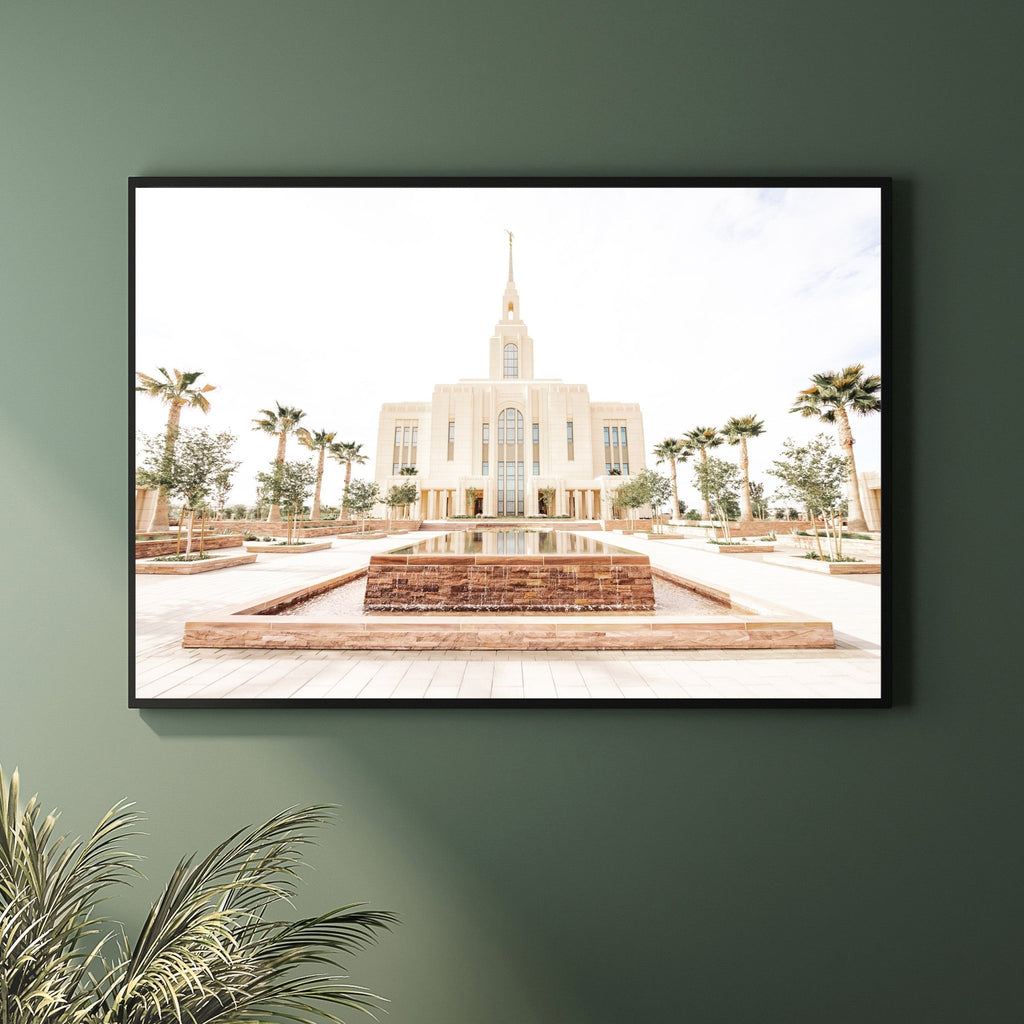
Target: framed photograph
(507, 441)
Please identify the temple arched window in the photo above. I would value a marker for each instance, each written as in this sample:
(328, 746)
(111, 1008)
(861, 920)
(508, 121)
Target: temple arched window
(511, 361)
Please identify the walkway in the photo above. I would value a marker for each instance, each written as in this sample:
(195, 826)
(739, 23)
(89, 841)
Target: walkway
(166, 670)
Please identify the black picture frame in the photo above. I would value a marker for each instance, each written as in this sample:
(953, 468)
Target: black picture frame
(190, 676)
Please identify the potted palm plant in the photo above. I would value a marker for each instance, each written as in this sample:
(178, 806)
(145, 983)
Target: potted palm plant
(211, 949)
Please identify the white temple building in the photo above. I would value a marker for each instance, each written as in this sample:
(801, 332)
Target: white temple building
(510, 444)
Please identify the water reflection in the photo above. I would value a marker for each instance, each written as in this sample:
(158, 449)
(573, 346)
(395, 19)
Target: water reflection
(509, 542)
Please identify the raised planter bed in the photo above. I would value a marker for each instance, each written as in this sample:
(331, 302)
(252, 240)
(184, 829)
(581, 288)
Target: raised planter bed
(829, 568)
(155, 548)
(744, 549)
(287, 549)
(147, 568)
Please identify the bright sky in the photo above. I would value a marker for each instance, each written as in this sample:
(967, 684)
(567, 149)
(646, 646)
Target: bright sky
(697, 303)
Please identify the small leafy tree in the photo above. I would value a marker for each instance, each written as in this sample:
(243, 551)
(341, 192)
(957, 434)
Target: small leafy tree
(647, 488)
(408, 471)
(548, 494)
(222, 486)
(472, 493)
(360, 497)
(398, 496)
(292, 483)
(328, 512)
(717, 481)
(660, 489)
(189, 469)
(758, 503)
(814, 475)
(630, 497)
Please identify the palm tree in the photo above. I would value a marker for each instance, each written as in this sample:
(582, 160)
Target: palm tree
(281, 423)
(214, 947)
(700, 439)
(348, 453)
(736, 431)
(317, 441)
(672, 451)
(176, 392)
(829, 398)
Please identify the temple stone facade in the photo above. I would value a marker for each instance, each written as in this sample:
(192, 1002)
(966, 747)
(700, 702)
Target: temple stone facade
(510, 444)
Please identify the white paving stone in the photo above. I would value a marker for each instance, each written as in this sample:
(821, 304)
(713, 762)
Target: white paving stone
(165, 670)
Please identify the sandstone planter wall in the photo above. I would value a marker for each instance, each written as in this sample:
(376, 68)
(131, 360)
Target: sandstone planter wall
(191, 568)
(309, 529)
(761, 527)
(514, 633)
(156, 548)
(510, 583)
(869, 550)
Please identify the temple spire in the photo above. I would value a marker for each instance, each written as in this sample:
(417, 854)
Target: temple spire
(511, 347)
(510, 236)
(510, 302)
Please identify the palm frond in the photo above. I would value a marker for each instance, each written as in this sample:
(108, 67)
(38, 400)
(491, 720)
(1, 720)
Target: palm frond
(207, 950)
(210, 950)
(50, 886)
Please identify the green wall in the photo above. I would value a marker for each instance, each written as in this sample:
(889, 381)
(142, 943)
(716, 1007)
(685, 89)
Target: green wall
(555, 866)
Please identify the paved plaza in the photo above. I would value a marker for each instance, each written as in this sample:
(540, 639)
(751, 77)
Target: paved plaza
(167, 671)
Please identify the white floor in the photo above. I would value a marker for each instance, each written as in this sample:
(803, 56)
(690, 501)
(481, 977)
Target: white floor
(165, 670)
